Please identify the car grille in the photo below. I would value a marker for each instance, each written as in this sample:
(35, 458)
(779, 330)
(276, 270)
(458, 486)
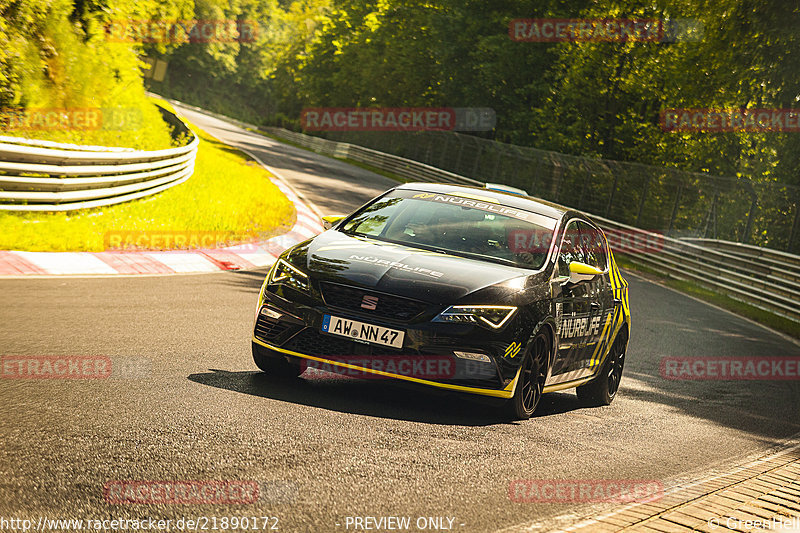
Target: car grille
(312, 342)
(269, 329)
(388, 306)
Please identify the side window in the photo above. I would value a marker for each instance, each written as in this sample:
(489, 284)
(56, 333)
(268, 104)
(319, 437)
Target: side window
(571, 249)
(594, 246)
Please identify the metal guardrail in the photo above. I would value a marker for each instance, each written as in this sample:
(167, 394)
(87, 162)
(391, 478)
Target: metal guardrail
(766, 255)
(48, 176)
(763, 278)
(774, 288)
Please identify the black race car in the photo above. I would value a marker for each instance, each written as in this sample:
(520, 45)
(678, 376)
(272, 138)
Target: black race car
(461, 288)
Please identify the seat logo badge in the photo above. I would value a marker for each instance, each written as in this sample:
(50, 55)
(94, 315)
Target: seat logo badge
(369, 302)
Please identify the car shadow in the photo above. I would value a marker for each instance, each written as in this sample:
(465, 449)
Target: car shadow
(247, 280)
(378, 398)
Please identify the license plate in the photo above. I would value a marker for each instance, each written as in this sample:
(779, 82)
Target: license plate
(360, 331)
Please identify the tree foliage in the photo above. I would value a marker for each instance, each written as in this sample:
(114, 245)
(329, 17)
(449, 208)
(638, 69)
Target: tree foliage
(589, 98)
(55, 54)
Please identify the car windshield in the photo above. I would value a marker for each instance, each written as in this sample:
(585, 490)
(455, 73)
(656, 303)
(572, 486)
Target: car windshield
(475, 227)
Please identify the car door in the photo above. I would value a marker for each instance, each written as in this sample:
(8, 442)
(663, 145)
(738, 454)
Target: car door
(574, 305)
(599, 294)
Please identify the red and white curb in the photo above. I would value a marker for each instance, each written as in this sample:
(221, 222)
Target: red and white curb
(240, 257)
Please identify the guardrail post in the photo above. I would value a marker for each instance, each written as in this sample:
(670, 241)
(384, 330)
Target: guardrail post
(675, 208)
(516, 166)
(795, 224)
(477, 160)
(417, 146)
(557, 174)
(712, 214)
(645, 189)
(458, 158)
(429, 151)
(583, 190)
(611, 196)
(749, 225)
(444, 150)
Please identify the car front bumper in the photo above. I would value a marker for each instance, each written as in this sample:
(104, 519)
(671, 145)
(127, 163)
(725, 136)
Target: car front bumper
(428, 355)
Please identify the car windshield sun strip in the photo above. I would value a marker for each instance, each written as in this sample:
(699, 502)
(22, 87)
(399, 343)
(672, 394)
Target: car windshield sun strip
(445, 251)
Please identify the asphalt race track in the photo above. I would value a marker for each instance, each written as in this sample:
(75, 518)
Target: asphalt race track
(196, 409)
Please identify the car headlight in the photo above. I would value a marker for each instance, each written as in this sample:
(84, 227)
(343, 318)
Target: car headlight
(289, 275)
(494, 316)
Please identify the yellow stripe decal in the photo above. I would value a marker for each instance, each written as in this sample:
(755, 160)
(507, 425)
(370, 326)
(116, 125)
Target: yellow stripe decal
(600, 342)
(615, 321)
(607, 338)
(612, 334)
(567, 384)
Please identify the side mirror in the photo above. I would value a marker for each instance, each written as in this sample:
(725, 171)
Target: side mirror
(330, 221)
(580, 272)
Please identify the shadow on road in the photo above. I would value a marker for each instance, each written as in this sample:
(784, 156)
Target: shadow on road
(248, 280)
(378, 398)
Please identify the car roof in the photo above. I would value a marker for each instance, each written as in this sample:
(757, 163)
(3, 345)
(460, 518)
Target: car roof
(526, 203)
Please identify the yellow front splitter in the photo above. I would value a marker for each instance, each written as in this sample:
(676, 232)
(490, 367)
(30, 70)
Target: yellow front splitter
(508, 392)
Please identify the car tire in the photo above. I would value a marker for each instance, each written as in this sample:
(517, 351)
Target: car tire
(273, 363)
(603, 389)
(532, 376)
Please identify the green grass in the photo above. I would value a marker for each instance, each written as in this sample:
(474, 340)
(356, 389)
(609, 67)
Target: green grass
(724, 301)
(229, 193)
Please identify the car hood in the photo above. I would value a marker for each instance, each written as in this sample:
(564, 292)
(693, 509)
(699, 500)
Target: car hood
(402, 270)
